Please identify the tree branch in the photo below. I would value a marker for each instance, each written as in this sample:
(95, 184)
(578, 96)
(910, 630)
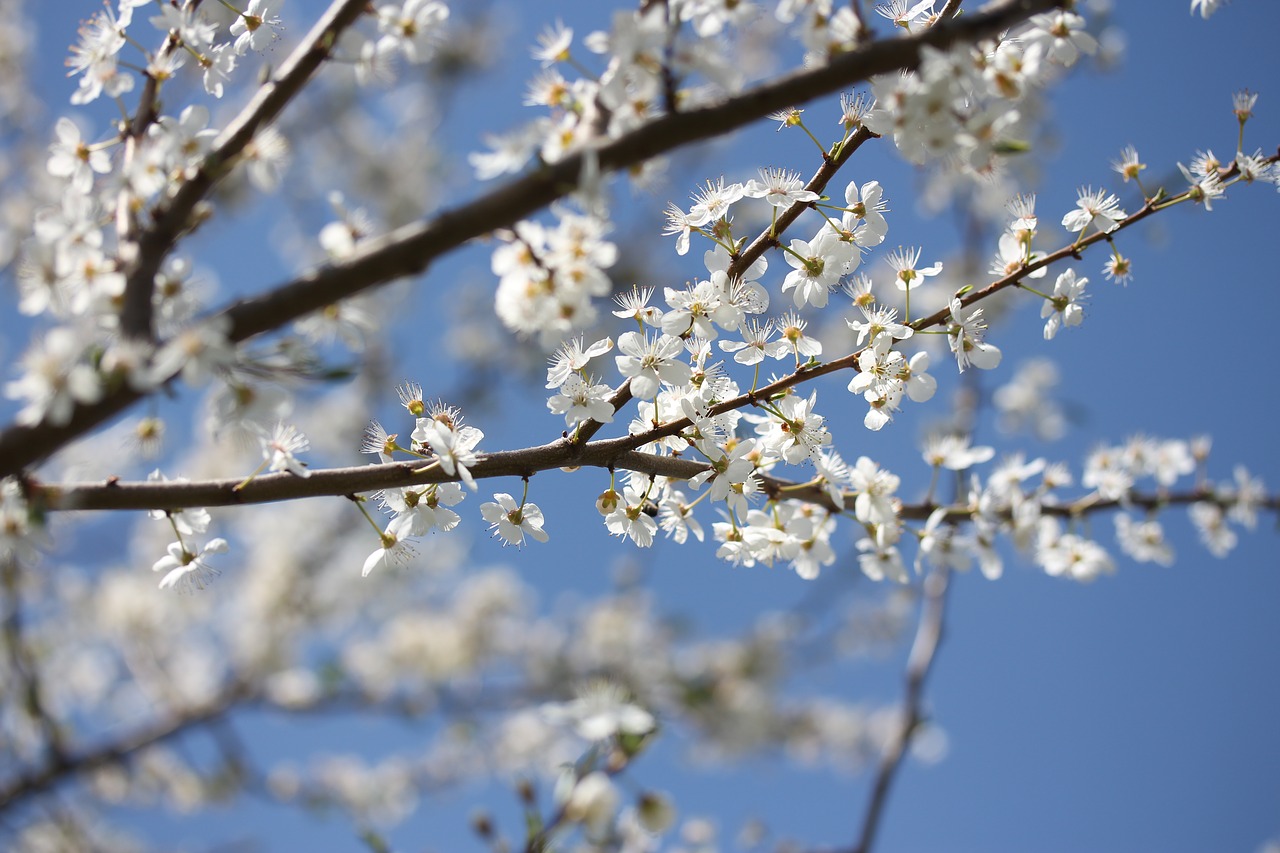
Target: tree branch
(607, 455)
(569, 452)
(410, 250)
(175, 216)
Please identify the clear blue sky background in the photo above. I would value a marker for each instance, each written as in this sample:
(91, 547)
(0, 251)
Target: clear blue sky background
(1137, 713)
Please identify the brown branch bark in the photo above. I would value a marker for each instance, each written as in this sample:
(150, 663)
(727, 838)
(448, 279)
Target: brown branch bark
(608, 455)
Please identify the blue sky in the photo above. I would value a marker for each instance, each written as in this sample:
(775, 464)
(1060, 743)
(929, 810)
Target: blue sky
(1136, 713)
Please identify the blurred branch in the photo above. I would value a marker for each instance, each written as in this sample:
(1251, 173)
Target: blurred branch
(136, 310)
(923, 652)
(41, 779)
(23, 663)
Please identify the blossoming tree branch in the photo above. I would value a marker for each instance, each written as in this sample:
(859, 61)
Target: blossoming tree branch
(686, 411)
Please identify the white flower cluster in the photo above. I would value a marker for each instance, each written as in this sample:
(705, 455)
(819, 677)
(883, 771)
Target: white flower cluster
(1032, 514)
(190, 35)
(579, 397)
(439, 436)
(641, 60)
(186, 565)
(548, 276)
(72, 268)
(961, 106)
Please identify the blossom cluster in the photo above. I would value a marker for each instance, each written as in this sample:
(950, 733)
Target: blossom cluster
(547, 277)
(685, 377)
(439, 435)
(74, 266)
(667, 365)
(962, 106)
(550, 278)
(1020, 500)
(626, 94)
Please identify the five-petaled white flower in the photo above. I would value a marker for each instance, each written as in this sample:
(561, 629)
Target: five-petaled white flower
(795, 430)
(553, 44)
(602, 710)
(452, 446)
(875, 488)
(817, 267)
(188, 570)
(755, 344)
(648, 362)
(905, 272)
(713, 201)
(72, 158)
(866, 205)
(572, 357)
(257, 26)
(881, 327)
(1064, 308)
(965, 335)
(418, 509)
(413, 29)
(393, 549)
(280, 449)
(780, 188)
(628, 518)
(1094, 206)
(580, 401)
(513, 521)
(54, 379)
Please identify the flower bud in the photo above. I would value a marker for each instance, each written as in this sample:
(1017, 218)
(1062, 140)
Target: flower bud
(607, 502)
